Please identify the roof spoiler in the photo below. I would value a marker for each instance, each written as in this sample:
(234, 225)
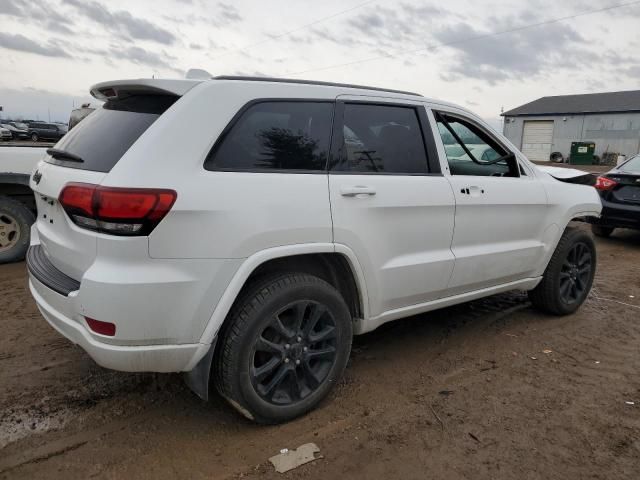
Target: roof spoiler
(112, 89)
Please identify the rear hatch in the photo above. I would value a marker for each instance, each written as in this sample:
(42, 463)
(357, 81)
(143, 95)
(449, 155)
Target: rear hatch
(86, 155)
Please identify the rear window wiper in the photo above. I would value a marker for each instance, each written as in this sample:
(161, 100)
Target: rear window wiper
(62, 155)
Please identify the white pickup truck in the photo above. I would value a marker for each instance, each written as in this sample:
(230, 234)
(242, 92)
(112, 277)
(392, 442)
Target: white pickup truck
(17, 204)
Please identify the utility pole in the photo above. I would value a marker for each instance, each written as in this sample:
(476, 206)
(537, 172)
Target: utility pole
(49, 114)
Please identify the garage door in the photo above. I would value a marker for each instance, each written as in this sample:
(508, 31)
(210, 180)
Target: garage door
(536, 140)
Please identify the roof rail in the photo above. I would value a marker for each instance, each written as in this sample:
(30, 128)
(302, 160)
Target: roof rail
(310, 82)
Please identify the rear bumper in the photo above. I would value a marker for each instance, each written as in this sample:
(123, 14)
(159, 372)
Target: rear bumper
(160, 306)
(56, 309)
(618, 215)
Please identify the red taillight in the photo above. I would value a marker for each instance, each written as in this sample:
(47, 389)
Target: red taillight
(604, 183)
(78, 197)
(103, 328)
(118, 211)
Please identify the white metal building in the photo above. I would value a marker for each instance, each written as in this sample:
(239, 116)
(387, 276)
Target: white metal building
(549, 124)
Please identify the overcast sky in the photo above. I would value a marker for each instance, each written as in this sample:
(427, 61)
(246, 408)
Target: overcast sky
(52, 51)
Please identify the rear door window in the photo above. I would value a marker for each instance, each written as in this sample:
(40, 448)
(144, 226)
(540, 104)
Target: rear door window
(101, 139)
(384, 139)
(276, 136)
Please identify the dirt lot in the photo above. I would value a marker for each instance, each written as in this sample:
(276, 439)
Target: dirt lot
(466, 392)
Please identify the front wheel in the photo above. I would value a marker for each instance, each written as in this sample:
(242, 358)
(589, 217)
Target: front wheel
(283, 347)
(568, 278)
(34, 137)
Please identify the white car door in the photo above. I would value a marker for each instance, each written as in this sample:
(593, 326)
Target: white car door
(390, 204)
(501, 211)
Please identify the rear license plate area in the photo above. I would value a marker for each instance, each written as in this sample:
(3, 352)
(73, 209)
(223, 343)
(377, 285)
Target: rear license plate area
(47, 209)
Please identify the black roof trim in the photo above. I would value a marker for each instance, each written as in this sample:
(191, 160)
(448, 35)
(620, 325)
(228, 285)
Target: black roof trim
(311, 82)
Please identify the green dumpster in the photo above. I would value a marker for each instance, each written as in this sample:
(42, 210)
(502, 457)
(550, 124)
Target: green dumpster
(582, 153)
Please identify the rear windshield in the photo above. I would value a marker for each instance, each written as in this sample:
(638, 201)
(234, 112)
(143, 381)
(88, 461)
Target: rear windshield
(632, 166)
(102, 138)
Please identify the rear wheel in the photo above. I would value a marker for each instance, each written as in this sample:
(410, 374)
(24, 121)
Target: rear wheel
(602, 231)
(15, 224)
(283, 347)
(568, 278)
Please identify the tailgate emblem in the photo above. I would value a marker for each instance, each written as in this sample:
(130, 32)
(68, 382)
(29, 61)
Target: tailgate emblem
(37, 177)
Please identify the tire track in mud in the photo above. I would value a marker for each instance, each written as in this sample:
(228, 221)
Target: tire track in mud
(68, 444)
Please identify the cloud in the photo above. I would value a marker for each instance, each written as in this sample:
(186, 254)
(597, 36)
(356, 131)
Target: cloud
(403, 25)
(39, 12)
(120, 21)
(140, 56)
(13, 8)
(382, 30)
(23, 44)
(626, 11)
(632, 71)
(58, 27)
(481, 54)
(228, 12)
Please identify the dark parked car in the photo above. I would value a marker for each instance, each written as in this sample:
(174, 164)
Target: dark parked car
(16, 132)
(620, 194)
(46, 131)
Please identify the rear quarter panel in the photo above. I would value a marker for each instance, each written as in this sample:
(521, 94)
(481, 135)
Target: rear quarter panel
(222, 214)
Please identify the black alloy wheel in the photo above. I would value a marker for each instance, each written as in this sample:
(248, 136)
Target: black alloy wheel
(567, 280)
(575, 273)
(293, 355)
(283, 346)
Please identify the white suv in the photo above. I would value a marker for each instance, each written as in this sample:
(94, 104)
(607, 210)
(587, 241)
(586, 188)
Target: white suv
(249, 227)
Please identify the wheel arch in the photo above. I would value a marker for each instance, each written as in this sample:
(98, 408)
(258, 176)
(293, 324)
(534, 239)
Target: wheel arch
(553, 233)
(16, 186)
(336, 264)
(327, 261)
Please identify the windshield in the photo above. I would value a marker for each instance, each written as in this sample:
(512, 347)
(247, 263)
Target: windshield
(632, 166)
(22, 126)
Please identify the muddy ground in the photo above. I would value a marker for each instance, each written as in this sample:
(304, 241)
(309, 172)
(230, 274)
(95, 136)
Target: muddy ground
(466, 392)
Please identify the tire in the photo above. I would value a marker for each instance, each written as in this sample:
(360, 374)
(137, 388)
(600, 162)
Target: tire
(600, 231)
(34, 137)
(567, 267)
(246, 365)
(15, 226)
(556, 157)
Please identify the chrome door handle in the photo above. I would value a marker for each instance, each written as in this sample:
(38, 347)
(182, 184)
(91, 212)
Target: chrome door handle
(357, 190)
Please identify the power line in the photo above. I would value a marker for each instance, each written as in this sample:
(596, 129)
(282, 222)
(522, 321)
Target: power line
(302, 27)
(464, 40)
